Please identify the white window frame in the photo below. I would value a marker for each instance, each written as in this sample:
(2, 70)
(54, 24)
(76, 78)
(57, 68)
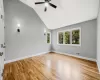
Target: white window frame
(70, 30)
(50, 37)
(58, 37)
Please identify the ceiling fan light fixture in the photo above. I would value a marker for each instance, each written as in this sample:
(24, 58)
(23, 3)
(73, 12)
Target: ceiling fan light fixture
(46, 4)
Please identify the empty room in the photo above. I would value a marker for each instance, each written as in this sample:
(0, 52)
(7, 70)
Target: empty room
(49, 40)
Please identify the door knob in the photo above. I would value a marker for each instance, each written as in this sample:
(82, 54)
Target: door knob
(1, 53)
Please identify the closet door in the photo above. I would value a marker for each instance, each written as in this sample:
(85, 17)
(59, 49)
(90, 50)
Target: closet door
(2, 49)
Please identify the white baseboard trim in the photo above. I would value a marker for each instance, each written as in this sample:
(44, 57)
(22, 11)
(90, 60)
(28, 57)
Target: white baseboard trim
(98, 67)
(90, 59)
(1, 78)
(13, 60)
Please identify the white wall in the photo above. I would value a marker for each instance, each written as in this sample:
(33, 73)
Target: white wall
(88, 40)
(31, 39)
(98, 40)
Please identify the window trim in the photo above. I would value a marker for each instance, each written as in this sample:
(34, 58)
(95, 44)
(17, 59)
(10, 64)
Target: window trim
(50, 37)
(70, 30)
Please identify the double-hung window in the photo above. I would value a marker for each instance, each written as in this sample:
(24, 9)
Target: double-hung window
(49, 38)
(70, 37)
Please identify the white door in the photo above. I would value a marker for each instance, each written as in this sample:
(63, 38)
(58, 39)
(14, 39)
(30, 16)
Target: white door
(1, 39)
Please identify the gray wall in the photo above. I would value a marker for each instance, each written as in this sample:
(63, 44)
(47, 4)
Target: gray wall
(88, 40)
(31, 39)
(98, 40)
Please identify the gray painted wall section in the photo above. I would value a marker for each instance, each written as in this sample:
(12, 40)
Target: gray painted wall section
(31, 39)
(98, 39)
(88, 40)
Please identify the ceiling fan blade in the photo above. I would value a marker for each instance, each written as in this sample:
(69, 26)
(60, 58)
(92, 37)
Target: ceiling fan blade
(45, 9)
(39, 2)
(46, 0)
(52, 5)
(49, 0)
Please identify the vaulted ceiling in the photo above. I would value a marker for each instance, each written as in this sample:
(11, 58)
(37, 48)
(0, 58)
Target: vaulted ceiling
(68, 12)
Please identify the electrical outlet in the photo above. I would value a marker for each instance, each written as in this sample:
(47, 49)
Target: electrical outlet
(1, 16)
(78, 53)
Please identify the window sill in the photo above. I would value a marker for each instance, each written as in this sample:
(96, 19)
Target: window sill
(48, 43)
(70, 44)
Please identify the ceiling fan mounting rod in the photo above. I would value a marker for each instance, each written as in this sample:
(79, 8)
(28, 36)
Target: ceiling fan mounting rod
(47, 2)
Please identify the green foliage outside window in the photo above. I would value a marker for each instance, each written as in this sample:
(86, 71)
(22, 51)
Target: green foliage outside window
(75, 36)
(60, 36)
(67, 37)
(48, 37)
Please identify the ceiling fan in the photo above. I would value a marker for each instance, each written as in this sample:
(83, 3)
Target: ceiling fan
(47, 3)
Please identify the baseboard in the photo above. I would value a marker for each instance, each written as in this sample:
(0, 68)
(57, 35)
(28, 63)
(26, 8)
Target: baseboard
(98, 67)
(13, 60)
(90, 59)
(1, 78)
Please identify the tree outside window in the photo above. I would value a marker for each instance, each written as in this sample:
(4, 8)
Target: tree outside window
(67, 37)
(76, 37)
(48, 37)
(70, 37)
(60, 37)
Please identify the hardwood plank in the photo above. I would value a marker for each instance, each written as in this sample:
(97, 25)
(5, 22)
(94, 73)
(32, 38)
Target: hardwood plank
(51, 66)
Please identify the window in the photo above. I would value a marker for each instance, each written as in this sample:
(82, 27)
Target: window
(48, 38)
(70, 37)
(67, 37)
(60, 37)
(76, 37)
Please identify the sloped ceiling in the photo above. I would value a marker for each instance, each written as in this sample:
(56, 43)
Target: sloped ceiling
(67, 13)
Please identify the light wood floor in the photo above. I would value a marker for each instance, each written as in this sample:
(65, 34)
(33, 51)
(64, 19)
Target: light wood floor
(51, 66)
